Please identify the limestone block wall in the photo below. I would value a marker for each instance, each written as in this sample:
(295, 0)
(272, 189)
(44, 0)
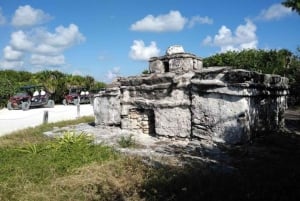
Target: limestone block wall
(107, 107)
(157, 105)
(231, 106)
(224, 119)
(173, 122)
(181, 99)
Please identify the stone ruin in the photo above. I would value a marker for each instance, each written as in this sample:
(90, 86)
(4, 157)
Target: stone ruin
(180, 98)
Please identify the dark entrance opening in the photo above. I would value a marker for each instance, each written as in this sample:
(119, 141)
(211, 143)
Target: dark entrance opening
(167, 67)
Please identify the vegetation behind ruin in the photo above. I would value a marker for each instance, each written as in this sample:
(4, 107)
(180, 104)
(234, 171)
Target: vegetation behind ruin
(56, 82)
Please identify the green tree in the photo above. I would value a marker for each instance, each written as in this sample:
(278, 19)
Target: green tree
(265, 61)
(293, 4)
(55, 82)
(89, 82)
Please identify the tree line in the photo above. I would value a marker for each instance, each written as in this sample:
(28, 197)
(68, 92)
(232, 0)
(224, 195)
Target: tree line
(282, 62)
(55, 82)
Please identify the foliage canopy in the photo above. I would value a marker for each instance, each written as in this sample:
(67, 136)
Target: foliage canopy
(281, 62)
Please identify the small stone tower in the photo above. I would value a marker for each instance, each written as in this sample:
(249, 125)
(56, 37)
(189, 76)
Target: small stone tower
(175, 60)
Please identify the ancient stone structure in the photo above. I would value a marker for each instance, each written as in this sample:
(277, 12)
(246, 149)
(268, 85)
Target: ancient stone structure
(181, 99)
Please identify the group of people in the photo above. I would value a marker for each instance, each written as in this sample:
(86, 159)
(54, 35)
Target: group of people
(41, 92)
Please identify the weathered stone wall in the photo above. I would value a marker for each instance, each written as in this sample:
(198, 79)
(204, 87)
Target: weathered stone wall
(173, 122)
(107, 107)
(241, 104)
(187, 101)
(224, 119)
(180, 62)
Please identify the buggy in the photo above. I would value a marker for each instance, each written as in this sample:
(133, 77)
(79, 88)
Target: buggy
(77, 95)
(30, 96)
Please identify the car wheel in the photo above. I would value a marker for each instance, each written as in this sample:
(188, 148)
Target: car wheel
(9, 106)
(25, 106)
(50, 103)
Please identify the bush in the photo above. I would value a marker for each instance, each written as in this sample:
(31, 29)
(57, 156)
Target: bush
(127, 141)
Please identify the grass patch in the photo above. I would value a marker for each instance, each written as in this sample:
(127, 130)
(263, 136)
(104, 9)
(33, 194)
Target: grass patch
(71, 167)
(24, 168)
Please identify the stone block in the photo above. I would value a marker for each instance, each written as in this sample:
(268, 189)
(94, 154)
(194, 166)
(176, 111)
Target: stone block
(173, 122)
(218, 115)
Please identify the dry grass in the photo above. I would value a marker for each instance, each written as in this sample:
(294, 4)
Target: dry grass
(114, 180)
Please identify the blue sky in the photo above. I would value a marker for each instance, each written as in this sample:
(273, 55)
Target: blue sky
(108, 38)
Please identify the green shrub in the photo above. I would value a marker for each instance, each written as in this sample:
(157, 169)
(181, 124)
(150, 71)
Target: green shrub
(127, 141)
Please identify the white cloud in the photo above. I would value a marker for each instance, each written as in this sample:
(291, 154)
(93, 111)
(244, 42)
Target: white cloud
(244, 37)
(12, 55)
(45, 60)
(65, 37)
(41, 46)
(200, 20)
(173, 21)
(21, 41)
(112, 74)
(55, 43)
(207, 40)
(276, 11)
(44, 42)
(2, 18)
(47, 49)
(28, 16)
(224, 37)
(141, 52)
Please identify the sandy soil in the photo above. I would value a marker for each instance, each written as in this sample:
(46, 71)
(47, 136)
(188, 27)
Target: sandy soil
(12, 120)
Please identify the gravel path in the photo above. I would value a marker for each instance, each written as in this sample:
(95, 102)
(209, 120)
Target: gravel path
(12, 120)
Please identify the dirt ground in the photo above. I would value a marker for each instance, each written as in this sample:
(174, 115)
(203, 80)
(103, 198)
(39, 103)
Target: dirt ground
(266, 168)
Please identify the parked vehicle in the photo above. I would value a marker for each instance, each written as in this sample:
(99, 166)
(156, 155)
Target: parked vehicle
(76, 95)
(30, 96)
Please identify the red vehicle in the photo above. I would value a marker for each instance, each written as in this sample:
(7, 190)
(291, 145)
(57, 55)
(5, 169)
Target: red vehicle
(77, 95)
(30, 96)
